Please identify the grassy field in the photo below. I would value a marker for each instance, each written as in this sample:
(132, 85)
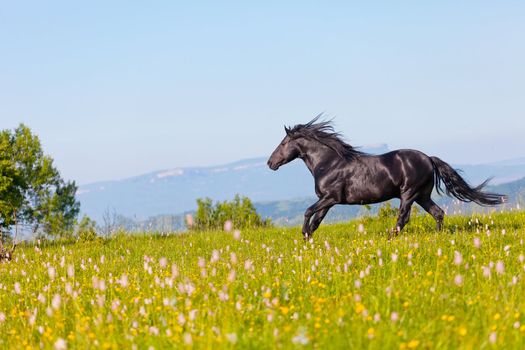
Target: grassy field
(267, 289)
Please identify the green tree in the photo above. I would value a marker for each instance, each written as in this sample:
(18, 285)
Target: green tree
(204, 217)
(240, 211)
(11, 196)
(32, 192)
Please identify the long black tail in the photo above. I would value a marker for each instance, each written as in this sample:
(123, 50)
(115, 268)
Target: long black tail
(456, 186)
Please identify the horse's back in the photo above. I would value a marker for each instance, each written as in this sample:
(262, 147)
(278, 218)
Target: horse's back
(412, 168)
(407, 157)
(400, 170)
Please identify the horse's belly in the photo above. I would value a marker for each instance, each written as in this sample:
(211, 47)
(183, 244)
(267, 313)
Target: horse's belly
(371, 192)
(369, 199)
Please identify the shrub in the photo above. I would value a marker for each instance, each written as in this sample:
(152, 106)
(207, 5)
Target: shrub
(240, 211)
(87, 229)
(386, 211)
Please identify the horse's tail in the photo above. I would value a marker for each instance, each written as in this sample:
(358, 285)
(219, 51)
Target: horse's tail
(456, 186)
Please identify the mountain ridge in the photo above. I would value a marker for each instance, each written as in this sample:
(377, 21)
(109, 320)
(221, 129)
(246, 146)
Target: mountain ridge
(174, 190)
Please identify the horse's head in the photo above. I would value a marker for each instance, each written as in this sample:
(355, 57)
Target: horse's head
(287, 151)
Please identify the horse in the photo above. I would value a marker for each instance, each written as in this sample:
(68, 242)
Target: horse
(345, 175)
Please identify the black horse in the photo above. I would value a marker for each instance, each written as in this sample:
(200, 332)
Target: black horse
(344, 175)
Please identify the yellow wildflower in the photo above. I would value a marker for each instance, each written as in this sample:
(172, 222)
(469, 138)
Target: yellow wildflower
(413, 344)
(359, 308)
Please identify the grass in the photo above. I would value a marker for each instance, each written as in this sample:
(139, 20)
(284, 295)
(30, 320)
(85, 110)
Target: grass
(267, 289)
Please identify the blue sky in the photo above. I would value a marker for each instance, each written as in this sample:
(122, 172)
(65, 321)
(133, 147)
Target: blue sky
(116, 89)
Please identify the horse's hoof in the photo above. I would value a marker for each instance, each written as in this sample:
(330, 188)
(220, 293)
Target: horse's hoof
(393, 233)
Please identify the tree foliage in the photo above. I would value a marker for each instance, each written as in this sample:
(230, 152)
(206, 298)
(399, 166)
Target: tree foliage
(240, 211)
(32, 193)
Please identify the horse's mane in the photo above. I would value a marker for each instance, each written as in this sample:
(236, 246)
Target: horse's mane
(323, 132)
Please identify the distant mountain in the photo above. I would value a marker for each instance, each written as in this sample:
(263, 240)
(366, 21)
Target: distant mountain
(510, 162)
(291, 212)
(176, 190)
(501, 173)
(515, 190)
(173, 191)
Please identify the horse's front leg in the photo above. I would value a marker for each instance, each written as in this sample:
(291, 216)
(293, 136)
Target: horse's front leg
(306, 224)
(317, 218)
(318, 210)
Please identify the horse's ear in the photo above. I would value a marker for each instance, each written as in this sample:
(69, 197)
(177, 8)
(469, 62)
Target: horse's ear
(287, 129)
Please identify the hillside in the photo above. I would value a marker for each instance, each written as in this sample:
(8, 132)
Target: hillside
(291, 212)
(175, 190)
(515, 190)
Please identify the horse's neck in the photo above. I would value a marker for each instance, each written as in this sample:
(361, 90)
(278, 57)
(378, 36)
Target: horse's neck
(309, 163)
(316, 159)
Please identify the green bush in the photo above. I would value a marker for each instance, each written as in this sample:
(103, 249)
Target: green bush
(87, 229)
(240, 211)
(387, 211)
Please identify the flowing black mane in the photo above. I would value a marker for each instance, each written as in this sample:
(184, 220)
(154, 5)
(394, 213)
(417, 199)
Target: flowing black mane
(323, 132)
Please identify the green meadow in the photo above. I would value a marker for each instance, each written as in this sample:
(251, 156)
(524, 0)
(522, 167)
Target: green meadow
(349, 288)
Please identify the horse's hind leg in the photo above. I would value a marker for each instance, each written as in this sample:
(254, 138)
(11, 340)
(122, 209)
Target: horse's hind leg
(404, 214)
(433, 209)
(403, 217)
